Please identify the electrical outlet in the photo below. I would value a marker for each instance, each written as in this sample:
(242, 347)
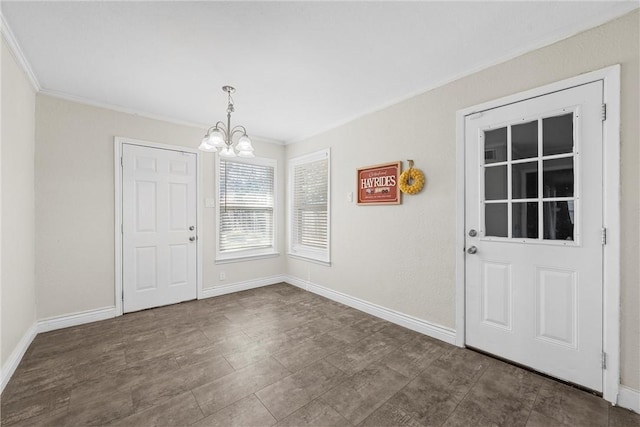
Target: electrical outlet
(350, 197)
(223, 275)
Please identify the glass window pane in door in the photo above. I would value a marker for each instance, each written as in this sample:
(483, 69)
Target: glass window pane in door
(557, 134)
(496, 221)
(524, 140)
(559, 220)
(524, 220)
(495, 183)
(495, 145)
(558, 177)
(524, 180)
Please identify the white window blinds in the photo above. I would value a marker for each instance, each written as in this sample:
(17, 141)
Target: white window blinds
(246, 206)
(310, 206)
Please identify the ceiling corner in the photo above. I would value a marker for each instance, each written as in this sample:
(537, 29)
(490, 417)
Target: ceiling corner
(17, 53)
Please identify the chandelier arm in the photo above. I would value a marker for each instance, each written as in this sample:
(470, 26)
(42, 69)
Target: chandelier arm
(218, 126)
(238, 128)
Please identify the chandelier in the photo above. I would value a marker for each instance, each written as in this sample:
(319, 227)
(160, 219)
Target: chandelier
(221, 135)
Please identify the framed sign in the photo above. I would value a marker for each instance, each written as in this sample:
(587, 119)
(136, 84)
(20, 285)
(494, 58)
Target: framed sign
(378, 184)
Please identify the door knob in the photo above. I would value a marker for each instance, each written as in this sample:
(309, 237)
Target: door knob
(192, 238)
(472, 250)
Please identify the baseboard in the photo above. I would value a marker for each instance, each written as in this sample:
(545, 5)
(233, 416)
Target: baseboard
(12, 363)
(242, 286)
(629, 398)
(424, 327)
(75, 319)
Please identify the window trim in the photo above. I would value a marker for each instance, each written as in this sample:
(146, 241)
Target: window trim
(245, 254)
(322, 256)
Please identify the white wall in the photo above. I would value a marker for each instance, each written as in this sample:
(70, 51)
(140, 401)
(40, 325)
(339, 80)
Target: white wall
(17, 286)
(402, 257)
(74, 187)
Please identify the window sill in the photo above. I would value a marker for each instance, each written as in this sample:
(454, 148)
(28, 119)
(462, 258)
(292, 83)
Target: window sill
(242, 258)
(309, 259)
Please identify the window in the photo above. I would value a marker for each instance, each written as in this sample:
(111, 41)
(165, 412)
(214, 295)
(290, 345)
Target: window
(310, 206)
(246, 214)
(530, 179)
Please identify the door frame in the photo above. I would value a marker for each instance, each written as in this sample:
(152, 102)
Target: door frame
(611, 211)
(118, 143)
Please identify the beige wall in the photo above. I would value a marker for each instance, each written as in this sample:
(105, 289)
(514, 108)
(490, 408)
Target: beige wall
(402, 257)
(17, 289)
(74, 187)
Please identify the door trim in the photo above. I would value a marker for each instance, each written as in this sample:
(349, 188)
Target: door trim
(118, 143)
(611, 211)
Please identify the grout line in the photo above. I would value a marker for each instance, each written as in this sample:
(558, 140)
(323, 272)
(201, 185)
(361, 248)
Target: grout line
(484, 372)
(325, 359)
(324, 401)
(534, 404)
(265, 407)
(199, 407)
(227, 360)
(224, 407)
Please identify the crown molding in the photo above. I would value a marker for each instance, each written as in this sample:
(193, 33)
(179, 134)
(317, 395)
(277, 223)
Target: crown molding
(256, 138)
(21, 59)
(99, 104)
(17, 53)
(618, 12)
(139, 113)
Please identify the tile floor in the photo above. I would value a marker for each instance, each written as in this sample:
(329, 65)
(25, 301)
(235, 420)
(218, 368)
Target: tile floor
(278, 356)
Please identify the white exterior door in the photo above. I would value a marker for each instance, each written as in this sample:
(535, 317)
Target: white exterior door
(159, 220)
(533, 218)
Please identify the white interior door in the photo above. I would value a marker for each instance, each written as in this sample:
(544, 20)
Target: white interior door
(159, 226)
(533, 215)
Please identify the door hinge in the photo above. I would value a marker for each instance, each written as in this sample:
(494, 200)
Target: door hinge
(604, 360)
(604, 112)
(121, 162)
(604, 236)
(121, 228)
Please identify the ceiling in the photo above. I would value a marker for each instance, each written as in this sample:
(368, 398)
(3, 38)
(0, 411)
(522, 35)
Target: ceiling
(300, 68)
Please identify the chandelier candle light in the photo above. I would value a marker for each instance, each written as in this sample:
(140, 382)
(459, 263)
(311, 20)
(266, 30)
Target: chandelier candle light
(221, 135)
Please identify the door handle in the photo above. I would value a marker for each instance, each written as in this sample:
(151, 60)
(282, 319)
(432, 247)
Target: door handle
(472, 250)
(192, 238)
